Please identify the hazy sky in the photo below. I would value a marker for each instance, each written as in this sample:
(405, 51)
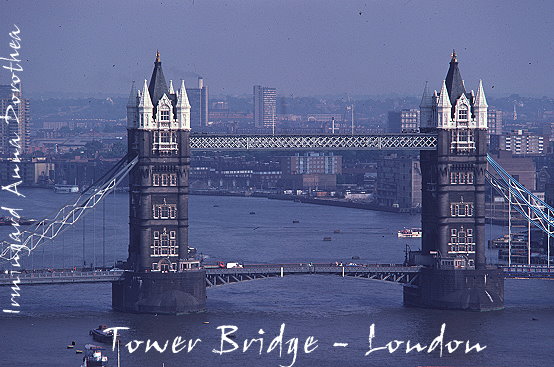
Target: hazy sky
(300, 47)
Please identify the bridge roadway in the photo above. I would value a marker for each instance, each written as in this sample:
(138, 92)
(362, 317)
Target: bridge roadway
(394, 273)
(406, 275)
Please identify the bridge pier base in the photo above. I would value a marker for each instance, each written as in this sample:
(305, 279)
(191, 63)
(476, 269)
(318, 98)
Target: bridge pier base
(160, 293)
(471, 290)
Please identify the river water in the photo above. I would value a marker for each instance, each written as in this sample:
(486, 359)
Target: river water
(331, 309)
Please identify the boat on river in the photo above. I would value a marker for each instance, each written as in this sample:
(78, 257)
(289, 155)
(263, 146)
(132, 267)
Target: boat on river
(101, 335)
(66, 189)
(94, 357)
(410, 233)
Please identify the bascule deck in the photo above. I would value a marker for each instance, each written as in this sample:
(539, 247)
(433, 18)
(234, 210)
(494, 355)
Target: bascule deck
(394, 273)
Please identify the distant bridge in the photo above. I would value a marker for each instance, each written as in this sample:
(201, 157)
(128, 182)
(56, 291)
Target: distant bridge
(392, 273)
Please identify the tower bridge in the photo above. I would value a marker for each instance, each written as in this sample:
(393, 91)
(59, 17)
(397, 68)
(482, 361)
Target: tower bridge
(449, 272)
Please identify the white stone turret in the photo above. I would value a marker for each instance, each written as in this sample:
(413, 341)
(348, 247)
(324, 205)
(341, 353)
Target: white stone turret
(171, 90)
(132, 110)
(145, 109)
(453, 107)
(183, 108)
(480, 108)
(444, 108)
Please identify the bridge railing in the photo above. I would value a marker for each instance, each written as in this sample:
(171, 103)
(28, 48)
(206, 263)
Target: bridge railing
(316, 268)
(524, 268)
(62, 274)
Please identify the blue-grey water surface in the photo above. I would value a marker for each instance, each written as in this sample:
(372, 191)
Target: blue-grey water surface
(332, 309)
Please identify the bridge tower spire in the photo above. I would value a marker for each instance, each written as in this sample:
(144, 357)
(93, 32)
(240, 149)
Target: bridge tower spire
(453, 202)
(161, 277)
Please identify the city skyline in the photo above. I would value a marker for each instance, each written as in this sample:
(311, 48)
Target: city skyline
(308, 48)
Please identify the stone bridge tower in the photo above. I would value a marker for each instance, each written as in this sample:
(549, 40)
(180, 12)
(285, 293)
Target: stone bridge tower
(162, 278)
(453, 201)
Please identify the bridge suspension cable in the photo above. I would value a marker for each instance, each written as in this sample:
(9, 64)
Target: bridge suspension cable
(531, 207)
(70, 214)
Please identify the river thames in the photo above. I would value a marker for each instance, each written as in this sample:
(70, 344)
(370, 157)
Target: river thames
(331, 309)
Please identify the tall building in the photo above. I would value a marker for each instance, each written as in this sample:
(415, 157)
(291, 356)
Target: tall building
(265, 106)
(495, 121)
(522, 142)
(398, 182)
(14, 129)
(404, 121)
(453, 181)
(199, 102)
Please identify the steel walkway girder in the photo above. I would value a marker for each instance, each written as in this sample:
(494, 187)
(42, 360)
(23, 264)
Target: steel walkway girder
(313, 142)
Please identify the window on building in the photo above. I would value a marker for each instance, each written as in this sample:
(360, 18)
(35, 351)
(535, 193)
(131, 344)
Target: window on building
(461, 209)
(164, 142)
(461, 241)
(164, 179)
(462, 140)
(164, 211)
(463, 113)
(164, 115)
(166, 245)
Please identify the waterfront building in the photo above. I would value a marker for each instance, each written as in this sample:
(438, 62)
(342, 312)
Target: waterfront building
(14, 129)
(398, 181)
(265, 106)
(33, 171)
(404, 121)
(311, 171)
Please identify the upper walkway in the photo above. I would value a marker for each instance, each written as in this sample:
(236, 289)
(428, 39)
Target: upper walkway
(416, 141)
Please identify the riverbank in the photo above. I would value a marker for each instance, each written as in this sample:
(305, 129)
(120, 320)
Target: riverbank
(305, 199)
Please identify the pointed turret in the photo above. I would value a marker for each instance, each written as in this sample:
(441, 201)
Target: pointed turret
(182, 98)
(157, 86)
(480, 100)
(454, 82)
(145, 108)
(443, 108)
(145, 100)
(480, 108)
(132, 107)
(444, 100)
(426, 108)
(183, 107)
(426, 99)
(171, 90)
(132, 102)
